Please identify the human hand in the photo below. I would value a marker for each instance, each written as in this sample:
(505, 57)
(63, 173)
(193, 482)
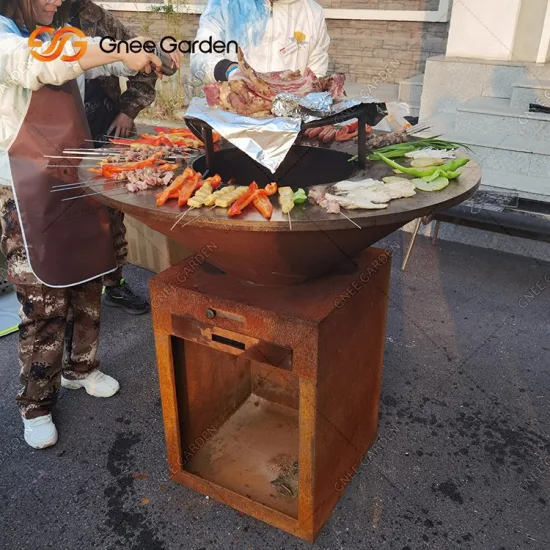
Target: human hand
(171, 62)
(122, 126)
(142, 61)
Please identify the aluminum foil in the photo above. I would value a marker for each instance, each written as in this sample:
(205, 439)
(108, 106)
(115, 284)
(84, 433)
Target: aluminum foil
(314, 106)
(265, 140)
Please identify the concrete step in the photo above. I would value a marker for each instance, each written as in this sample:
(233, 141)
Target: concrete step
(508, 154)
(410, 90)
(496, 117)
(530, 91)
(528, 187)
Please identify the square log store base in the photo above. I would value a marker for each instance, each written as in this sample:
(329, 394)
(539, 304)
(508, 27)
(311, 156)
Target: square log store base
(270, 394)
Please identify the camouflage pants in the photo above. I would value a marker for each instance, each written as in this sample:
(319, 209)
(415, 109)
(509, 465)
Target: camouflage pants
(118, 230)
(52, 320)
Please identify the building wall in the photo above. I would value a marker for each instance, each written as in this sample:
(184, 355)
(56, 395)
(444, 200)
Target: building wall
(361, 49)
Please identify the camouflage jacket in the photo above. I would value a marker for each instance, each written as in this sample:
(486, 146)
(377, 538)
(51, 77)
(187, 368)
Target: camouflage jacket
(95, 21)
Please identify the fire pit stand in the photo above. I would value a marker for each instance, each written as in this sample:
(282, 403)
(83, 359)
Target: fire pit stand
(270, 395)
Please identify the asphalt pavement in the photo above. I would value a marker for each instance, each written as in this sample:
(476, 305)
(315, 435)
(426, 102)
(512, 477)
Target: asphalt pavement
(462, 460)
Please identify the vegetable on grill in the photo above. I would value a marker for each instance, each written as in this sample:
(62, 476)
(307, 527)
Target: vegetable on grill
(172, 191)
(286, 199)
(449, 167)
(300, 196)
(396, 145)
(240, 204)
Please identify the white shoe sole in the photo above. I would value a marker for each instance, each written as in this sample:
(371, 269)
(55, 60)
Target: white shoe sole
(75, 385)
(48, 443)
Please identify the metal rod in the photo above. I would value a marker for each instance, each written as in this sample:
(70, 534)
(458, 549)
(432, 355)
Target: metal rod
(436, 232)
(67, 157)
(83, 186)
(289, 222)
(362, 141)
(85, 181)
(411, 244)
(63, 165)
(96, 193)
(209, 146)
(356, 224)
(180, 217)
(94, 153)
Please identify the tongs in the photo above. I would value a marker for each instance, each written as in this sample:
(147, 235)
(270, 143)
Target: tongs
(537, 108)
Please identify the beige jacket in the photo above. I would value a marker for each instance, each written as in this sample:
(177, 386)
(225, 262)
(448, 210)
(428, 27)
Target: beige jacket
(21, 75)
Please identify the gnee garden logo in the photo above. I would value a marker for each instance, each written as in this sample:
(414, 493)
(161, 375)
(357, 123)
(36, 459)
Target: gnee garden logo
(57, 44)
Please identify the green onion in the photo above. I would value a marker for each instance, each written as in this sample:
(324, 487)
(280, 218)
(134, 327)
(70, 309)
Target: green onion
(400, 149)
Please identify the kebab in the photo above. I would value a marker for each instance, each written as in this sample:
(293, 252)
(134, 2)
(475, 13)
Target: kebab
(225, 201)
(259, 197)
(204, 192)
(220, 193)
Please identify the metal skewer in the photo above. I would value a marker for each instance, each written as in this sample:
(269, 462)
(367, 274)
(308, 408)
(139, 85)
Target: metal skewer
(181, 216)
(106, 193)
(84, 186)
(67, 157)
(96, 180)
(356, 224)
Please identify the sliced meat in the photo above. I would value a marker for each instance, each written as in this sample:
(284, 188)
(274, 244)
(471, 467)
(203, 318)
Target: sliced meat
(255, 92)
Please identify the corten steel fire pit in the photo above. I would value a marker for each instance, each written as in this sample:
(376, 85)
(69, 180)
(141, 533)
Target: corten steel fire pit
(270, 393)
(271, 252)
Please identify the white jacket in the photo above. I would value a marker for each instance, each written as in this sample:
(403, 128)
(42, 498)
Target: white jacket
(303, 19)
(21, 74)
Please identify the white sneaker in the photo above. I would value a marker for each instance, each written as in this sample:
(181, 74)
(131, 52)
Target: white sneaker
(96, 384)
(40, 432)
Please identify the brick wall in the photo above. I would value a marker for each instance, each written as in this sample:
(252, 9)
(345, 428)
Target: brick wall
(361, 49)
(382, 4)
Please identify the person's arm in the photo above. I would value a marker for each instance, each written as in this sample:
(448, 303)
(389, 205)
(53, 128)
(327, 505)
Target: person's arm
(140, 90)
(211, 67)
(318, 56)
(19, 67)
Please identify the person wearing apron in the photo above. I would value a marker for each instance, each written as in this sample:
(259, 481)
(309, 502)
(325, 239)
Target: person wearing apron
(57, 250)
(111, 113)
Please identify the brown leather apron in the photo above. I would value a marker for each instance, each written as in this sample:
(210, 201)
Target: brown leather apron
(67, 242)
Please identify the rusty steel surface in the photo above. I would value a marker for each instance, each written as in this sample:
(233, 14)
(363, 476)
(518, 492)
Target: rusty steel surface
(273, 441)
(275, 252)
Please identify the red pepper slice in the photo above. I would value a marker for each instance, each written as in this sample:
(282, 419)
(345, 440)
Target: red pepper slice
(190, 186)
(167, 167)
(238, 206)
(264, 206)
(172, 191)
